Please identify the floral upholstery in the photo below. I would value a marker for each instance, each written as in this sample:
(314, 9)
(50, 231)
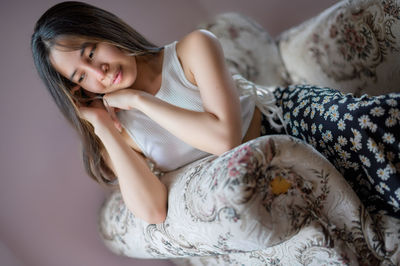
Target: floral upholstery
(275, 200)
(249, 50)
(271, 200)
(353, 46)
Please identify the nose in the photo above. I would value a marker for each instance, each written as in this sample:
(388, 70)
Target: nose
(99, 71)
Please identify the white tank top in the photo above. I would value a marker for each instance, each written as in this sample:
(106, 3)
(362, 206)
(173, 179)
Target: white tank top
(159, 145)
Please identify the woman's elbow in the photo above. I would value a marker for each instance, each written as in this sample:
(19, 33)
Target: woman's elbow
(158, 218)
(228, 144)
(155, 217)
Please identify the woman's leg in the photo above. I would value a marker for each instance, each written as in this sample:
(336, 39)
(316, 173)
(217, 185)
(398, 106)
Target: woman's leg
(359, 136)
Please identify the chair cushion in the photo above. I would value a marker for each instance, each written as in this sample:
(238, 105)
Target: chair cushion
(354, 46)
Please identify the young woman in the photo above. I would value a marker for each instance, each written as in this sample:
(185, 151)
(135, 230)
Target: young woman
(131, 101)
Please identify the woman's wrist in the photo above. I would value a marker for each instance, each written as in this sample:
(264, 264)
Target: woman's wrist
(102, 128)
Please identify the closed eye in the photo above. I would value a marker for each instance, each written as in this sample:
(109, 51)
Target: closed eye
(81, 78)
(91, 54)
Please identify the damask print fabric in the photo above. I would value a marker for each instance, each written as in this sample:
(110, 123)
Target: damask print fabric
(271, 201)
(359, 136)
(354, 46)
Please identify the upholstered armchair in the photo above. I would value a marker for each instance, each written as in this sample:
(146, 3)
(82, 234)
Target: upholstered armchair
(275, 200)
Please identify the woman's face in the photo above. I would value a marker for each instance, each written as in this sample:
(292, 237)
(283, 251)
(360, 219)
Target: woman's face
(98, 68)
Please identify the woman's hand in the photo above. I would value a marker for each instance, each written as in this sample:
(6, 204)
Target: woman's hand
(97, 114)
(125, 99)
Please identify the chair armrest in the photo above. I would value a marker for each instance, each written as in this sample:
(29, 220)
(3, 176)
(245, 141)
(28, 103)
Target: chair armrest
(354, 46)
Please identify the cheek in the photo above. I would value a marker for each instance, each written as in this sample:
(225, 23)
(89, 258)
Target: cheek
(93, 85)
(131, 72)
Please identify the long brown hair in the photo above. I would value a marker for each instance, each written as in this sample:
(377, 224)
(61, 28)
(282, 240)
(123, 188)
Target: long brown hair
(85, 22)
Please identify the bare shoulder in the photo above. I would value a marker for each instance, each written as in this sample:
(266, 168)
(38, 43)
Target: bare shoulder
(196, 49)
(197, 42)
(197, 37)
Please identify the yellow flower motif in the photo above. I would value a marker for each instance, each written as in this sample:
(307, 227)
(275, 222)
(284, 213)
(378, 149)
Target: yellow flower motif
(279, 185)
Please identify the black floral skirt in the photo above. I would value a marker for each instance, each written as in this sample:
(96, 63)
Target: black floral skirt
(359, 136)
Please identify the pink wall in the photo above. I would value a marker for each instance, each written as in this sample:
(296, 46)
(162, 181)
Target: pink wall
(48, 206)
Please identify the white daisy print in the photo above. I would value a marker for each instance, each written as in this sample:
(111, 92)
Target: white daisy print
(356, 144)
(307, 110)
(394, 112)
(326, 99)
(287, 117)
(390, 169)
(393, 202)
(372, 146)
(346, 164)
(390, 121)
(344, 155)
(342, 140)
(290, 104)
(384, 186)
(303, 103)
(312, 114)
(366, 103)
(313, 142)
(355, 166)
(328, 134)
(373, 127)
(388, 138)
(304, 125)
(334, 116)
(321, 109)
(322, 144)
(348, 116)
(341, 125)
(316, 99)
(352, 106)
(379, 189)
(397, 193)
(320, 127)
(369, 177)
(356, 133)
(391, 102)
(382, 174)
(295, 123)
(296, 111)
(377, 101)
(295, 132)
(365, 161)
(337, 147)
(364, 121)
(377, 111)
(333, 108)
(302, 94)
(313, 128)
(380, 157)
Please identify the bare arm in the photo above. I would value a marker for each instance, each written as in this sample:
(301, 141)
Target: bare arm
(142, 191)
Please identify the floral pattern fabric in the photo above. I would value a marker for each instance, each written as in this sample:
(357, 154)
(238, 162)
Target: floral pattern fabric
(354, 46)
(248, 49)
(272, 201)
(359, 136)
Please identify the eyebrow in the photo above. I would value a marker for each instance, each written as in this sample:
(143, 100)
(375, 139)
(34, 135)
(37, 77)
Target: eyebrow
(71, 78)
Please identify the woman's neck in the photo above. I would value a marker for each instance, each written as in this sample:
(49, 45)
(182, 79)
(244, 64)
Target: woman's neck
(149, 71)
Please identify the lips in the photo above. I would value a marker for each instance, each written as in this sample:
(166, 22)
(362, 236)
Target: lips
(117, 77)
